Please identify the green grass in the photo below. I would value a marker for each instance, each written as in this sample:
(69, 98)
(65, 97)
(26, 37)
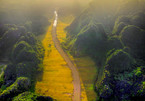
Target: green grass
(88, 73)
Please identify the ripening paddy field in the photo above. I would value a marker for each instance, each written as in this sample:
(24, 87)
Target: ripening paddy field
(57, 81)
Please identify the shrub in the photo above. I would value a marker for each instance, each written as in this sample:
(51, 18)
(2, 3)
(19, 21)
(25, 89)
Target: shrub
(29, 96)
(10, 72)
(90, 40)
(114, 43)
(118, 28)
(119, 61)
(26, 69)
(22, 84)
(138, 20)
(23, 52)
(29, 38)
(9, 38)
(106, 92)
(133, 37)
(123, 90)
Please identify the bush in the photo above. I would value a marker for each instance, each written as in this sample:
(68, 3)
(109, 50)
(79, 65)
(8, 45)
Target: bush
(26, 96)
(123, 90)
(29, 38)
(114, 43)
(90, 40)
(29, 96)
(106, 92)
(119, 61)
(22, 84)
(10, 72)
(138, 20)
(120, 22)
(5, 28)
(10, 37)
(26, 69)
(23, 52)
(133, 37)
(118, 28)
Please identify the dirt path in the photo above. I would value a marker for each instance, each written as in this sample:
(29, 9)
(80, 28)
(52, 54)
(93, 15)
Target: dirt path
(75, 74)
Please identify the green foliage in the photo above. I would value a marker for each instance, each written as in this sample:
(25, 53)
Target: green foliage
(138, 20)
(114, 43)
(90, 39)
(119, 61)
(141, 90)
(29, 38)
(78, 24)
(5, 28)
(117, 29)
(20, 85)
(138, 72)
(28, 96)
(143, 85)
(2, 68)
(30, 44)
(23, 52)
(133, 37)
(3, 87)
(16, 37)
(124, 76)
(120, 23)
(105, 91)
(10, 72)
(26, 69)
(126, 37)
(10, 37)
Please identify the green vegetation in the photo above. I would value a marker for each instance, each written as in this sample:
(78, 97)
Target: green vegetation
(20, 48)
(20, 85)
(91, 40)
(117, 48)
(88, 71)
(111, 32)
(119, 61)
(133, 37)
(28, 96)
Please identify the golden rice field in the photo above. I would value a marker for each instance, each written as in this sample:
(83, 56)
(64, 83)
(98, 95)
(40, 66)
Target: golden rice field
(61, 34)
(86, 67)
(57, 78)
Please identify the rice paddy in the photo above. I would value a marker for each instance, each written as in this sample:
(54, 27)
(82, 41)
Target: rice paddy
(57, 78)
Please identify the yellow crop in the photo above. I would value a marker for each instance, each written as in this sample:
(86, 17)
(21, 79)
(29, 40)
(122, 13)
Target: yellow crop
(57, 78)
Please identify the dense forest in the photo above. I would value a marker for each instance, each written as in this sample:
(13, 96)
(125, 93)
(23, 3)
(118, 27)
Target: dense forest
(21, 53)
(111, 32)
